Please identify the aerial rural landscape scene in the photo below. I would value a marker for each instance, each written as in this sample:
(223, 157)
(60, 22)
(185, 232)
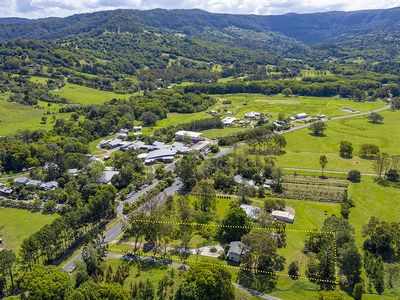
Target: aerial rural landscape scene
(185, 154)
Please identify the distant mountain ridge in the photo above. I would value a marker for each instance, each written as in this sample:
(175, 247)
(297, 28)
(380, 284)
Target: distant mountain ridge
(309, 29)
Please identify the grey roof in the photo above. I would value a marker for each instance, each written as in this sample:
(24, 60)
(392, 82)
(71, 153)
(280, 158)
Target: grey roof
(251, 211)
(236, 247)
(50, 185)
(157, 143)
(21, 180)
(107, 176)
(5, 190)
(34, 182)
(161, 153)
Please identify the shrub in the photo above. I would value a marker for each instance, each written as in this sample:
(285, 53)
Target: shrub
(354, 176)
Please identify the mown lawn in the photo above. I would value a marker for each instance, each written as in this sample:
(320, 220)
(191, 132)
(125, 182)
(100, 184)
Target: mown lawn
(18, 224)
(87, 96)
(303, 149)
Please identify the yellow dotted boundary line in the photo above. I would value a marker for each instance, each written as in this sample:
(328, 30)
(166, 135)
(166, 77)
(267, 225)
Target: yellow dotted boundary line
(333, 233)
(169, 257)
(230, 226)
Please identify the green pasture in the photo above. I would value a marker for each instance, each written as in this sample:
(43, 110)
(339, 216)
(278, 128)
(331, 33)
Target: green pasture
(275, 104)
(303, 150)
(87, 96)
(15, 116)
(18, 224)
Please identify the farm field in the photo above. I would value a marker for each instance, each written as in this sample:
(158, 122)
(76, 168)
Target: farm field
(303, 150)
(275, 104)
(85, 95)
(15, 116)
(18, 224)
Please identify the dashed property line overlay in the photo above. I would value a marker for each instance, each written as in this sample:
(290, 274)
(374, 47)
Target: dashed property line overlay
(230, 226)
(333, 233)
(183, 261)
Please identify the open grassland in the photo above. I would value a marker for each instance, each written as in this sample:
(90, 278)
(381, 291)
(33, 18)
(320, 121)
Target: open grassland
(87, 96)
(275, 104)
(18, 224)
(372, 199)
(303, 149)
(15, 116)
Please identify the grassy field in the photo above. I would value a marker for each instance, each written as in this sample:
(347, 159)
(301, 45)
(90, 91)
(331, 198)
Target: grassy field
(372, 199)
(18, 224)
(276, 104)
(15, 116)
(304, 150)
(87, 96)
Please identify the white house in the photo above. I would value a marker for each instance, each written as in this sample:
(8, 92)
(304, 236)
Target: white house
(300, 116)
(252, 115)
(229, 121)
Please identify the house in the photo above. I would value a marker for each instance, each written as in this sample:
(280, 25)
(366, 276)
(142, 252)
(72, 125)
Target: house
(34, 183)
(300, 116)
(270, 183)
(252, 115)
(21, 180)
(251, 211)
(107, 176)
(236, 249)
(137, 128)
(6, 191)
(192, 135)
(51, 185)
(240, 180)
(229, 121)
(283, 216)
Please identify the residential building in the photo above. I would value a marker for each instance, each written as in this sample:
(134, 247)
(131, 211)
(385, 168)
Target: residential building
(51, 185)
(34, 183)
(228, 121)
(107, 176)
(236, 249)
(251, 211)
(252, 115)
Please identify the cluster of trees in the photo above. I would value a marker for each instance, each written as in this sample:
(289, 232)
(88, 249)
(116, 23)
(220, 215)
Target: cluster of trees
(253, 134)
(55, 240)
(322, 252)
(22, 90)
(358, 89)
